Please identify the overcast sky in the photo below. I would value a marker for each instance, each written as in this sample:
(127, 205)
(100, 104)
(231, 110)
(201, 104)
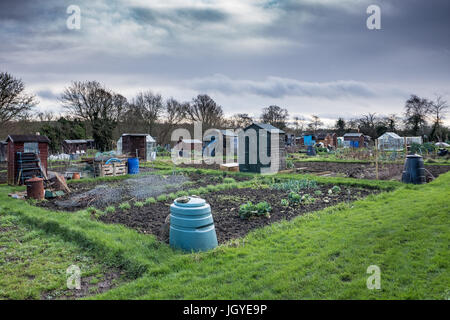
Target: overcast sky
(309, 56)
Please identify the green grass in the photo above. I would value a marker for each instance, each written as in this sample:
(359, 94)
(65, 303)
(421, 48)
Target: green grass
(322, 255)
(125, 206)
(34, 263)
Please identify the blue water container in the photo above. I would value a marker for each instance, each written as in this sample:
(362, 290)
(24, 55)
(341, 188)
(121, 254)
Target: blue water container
(191, 225)
(133, 165)
(311, 151)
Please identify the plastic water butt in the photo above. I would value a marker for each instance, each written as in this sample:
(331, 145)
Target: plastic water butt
(414, 171)
(191, 225)
(133, 165)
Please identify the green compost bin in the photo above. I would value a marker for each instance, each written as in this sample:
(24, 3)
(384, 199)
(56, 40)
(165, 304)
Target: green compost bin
(191, 225)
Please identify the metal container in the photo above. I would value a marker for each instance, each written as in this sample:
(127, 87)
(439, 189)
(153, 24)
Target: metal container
(414, 171)
(191, 225)
(133, 165)
(35, 188)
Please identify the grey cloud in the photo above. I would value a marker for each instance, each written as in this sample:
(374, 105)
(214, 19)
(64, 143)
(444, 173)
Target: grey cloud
(181, 15)
(275, 87)
(47, 94)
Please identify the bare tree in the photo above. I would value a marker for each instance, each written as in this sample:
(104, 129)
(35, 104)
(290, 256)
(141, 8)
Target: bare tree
(173, 115)
(46, 116)
(101, 107)
(149, 107)
(438, 109)
(276, 116)
(14, 102)
(368, 124)
(206, 110)
(240, 120)
(416, 111)
(315, 123)
(299, 124)
(392, 122)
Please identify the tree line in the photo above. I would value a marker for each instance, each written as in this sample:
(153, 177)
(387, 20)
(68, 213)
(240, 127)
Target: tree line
(92, 110)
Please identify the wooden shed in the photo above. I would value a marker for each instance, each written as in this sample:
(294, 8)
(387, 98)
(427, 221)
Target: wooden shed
(249, 162)
(27, 156)
(328, 139)
(354, 140)
(77, 146)
(136, 145)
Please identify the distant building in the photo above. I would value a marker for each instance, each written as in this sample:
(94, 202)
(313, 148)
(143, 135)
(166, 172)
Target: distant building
(229, 140)
(140, 145)
(390, 141)
(328, 139)
(252, 162)
(354, 140)
(77, 146)
(35, 147)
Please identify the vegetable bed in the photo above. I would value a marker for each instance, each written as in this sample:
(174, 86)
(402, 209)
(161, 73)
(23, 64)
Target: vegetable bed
(226, 205)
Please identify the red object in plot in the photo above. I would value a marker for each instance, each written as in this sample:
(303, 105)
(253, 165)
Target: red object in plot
(35, 188)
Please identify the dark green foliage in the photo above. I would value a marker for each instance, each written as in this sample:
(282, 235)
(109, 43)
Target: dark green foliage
(61, 130)
(295, 185)
(249, 210)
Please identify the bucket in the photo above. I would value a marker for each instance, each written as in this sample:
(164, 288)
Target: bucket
(414, 171)
(191, 225)
(76, 176)
(133, 165)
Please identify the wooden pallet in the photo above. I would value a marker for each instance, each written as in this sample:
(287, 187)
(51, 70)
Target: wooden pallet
(230, 167)
(111, 170)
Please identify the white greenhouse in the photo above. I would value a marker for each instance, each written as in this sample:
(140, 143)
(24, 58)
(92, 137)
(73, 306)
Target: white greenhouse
(390, 141)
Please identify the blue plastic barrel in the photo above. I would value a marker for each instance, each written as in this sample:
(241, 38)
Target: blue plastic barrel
(311, 151)
(133, 165)
(191, 225)
(414, 171)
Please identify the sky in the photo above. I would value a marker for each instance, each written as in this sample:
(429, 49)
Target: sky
(308, 56)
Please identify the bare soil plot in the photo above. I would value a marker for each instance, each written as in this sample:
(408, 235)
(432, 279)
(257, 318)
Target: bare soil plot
(102, 194)
(225, 207)
(387, 171)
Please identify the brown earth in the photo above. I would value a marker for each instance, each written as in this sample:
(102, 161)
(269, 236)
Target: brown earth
(387, 171)
(225, 207)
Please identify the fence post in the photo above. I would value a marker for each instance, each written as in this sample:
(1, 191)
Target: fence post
(376, 157)
(406, 148)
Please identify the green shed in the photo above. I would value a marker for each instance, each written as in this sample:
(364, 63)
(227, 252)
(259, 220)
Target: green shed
(255, 148)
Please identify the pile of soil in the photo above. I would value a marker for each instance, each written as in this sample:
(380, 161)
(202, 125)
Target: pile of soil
(225, 208)
(386, 171)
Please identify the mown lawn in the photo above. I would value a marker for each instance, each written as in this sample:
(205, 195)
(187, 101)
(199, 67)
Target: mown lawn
(323, 255)
(34, 263)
